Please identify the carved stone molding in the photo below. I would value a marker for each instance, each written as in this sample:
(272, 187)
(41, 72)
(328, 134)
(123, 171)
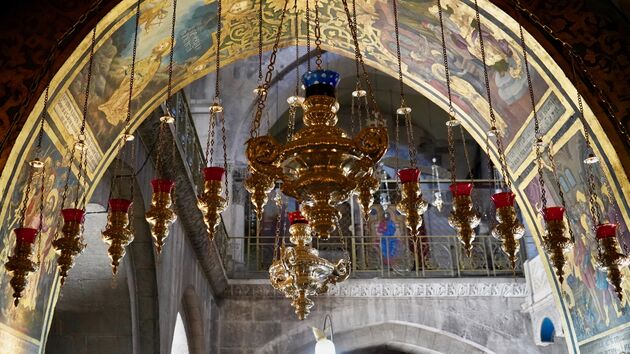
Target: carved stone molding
(398, 288)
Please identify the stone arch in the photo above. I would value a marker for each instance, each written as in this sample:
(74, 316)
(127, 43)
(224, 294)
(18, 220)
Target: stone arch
(421, 69)
(403, 336)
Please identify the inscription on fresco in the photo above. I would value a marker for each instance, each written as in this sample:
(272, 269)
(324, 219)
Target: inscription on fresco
(191, 40)
(548, 113)
(612, 344)
(67, 111)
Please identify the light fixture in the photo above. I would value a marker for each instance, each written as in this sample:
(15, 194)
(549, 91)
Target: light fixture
(299, 272)
(323, 345)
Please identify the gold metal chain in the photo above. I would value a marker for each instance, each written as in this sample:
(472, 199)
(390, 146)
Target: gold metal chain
(318, 38)
(218, 54)
(493, 119)
(538, 142)
(260, 39)
(262, 98)
(225, 157)
(353, 31)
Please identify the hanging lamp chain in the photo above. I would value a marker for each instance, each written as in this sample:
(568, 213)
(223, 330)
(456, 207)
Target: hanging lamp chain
(260, 40)
(308, 36)
(451, 111)
(493, 119)
(217, 92)
(172, 51)
(358, 56)
(537, 134)
(268, 76)
(398, 56)
(225, 157)
(318, 38)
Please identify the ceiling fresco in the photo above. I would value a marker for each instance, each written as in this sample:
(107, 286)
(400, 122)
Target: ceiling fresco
(589, 309)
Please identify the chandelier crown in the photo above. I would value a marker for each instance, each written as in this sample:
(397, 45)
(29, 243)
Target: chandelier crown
(553, 213)
(320, 82)
(606, 231)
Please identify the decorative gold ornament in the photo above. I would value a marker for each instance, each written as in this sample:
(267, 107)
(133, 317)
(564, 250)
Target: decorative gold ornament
(300, 273)
(211, 203)
(610, 257)
(259, 186)
(70, 244)
(464, 218)
(365, 193)
(117, 233)
(509, 229)
(20, 262)
(320, 166)
(555, 240)
(159, 215)
(411, 205)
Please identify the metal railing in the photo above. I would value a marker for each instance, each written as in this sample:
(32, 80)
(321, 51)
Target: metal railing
(379, 256)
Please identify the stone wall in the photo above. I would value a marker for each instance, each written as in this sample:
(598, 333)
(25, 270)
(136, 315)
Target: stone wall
(449, 316)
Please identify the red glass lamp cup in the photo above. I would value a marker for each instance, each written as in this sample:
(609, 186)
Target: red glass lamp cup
(408, 175)
(25, 234)
(119, 205)
(553, 213)
(606, 230)
(76, 215)
(503, 199)
(461, 189)
(213, 173)
(162, 185)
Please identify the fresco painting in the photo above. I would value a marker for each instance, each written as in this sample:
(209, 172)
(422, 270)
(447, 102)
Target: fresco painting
(589, 301)
(590, 298)
(35, 298)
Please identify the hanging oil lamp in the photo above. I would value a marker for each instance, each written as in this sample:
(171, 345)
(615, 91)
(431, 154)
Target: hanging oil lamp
(610, 258)
(412, 206)
(300, 273)
(464, 218)
(160, 216)
(70, 244)
(259, 186)
(555, 239)
(508, 230)
(117, 233)
(20, 262)
(211, 203)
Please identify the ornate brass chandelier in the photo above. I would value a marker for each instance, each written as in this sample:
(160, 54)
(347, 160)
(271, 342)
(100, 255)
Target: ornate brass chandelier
(320, 166)
(299, 272)
(160, 215)
(464, 218)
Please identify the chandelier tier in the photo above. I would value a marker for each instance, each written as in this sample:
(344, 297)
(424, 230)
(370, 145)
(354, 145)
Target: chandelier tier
(70, 244)
(320, 166)
(117, 233)
(299, 272)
